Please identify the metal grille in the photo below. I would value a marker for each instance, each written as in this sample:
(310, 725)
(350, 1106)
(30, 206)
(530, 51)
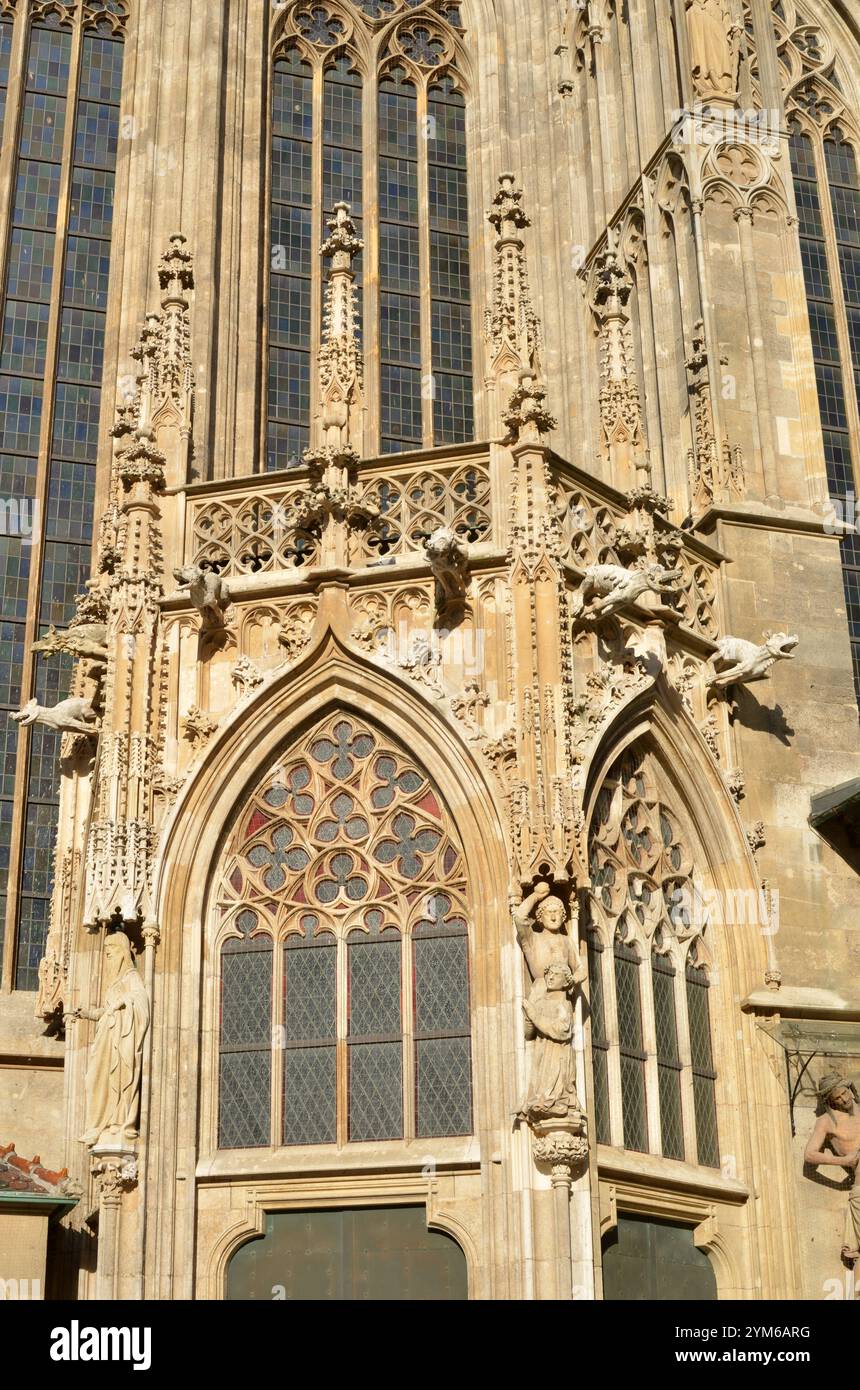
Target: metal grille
(704, 1075)
(668, 1061)
(629, 1006)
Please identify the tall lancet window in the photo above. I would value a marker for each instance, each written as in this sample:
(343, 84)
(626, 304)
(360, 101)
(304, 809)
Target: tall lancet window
(368, 108)
(60, 84)
(649, 979)
(824, 145)
(344, 994)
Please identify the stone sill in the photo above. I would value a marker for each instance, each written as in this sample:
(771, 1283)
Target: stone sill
(667, 1173)
(398, 1156)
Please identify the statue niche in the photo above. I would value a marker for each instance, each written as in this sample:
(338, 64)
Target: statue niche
(116, 1053)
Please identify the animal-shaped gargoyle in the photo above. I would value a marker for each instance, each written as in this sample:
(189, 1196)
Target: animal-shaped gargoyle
(448, 559)
(87, 640)
(607, 588)
(73, 716)
(207, 591)
(738, 662)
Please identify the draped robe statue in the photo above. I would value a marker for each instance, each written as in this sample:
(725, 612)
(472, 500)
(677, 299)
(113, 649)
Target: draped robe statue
(116, 1053)
(555, 969)
(714, 40)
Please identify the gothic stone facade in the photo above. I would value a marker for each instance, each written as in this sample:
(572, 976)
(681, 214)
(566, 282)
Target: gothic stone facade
(434, 781)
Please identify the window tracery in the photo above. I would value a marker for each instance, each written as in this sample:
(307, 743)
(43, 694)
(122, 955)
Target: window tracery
(367, 107)
(654, 1080)
(343, 901)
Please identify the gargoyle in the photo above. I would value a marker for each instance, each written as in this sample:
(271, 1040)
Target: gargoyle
(448, 560)
(73, 716)
(207, 591)
(738, 662)
(87, 640)
(607, 588)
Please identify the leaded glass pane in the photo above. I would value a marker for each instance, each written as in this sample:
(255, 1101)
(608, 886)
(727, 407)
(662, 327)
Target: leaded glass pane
(443, 1086)
(668, 1060)
(42, 123)
(704, 1076)
(452, 408)
(82, 335)
(449, 266)
(376, 1090)
(37, 195)
(43, 776)
(91, 211)
(246, 987)
(629, 1012)
(244, 1100)
(441, 984)
(290, 311)
(20, 413)
(400, 329)
(291, 171)
(398, 257)
(48, 56)
(289, 384)
(401, 403)
(65, 570)
(25, 337)
(33, 916)
(599, 1041)
(96, 134)
(310, 1095)
(101, 69)
(31, 264)
(310, 993)
(292, 108)
(11, 663)
(15, 552)
(291, 239)
(374, 987)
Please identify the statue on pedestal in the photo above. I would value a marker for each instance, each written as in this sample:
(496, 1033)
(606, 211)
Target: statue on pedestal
(556, 969)
(116, 1054)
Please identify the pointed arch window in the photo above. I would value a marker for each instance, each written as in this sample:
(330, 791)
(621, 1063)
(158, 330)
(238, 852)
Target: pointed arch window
(823, 145)
(368, 107)
(344, 975)
(654, 1080)
(61, 70)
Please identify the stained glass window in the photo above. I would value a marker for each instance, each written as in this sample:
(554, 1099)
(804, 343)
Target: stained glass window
(352, 865)
(411, 210)
(51, 358)
(644, 1019)
(827, 194)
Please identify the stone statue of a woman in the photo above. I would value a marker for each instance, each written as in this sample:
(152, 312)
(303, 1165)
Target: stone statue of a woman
(556, 969)
(116, 1054)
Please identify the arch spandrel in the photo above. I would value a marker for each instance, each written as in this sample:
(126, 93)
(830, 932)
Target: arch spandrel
(332, 675)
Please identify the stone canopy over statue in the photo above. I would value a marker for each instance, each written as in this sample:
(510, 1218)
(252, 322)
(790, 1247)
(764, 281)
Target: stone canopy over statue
(116, 1053)
(555, 969)
(714, 39)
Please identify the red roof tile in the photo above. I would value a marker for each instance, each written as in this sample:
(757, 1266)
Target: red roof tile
(27, 1174)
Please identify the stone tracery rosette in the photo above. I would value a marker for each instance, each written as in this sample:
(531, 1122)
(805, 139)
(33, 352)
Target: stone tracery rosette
(345, 829)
